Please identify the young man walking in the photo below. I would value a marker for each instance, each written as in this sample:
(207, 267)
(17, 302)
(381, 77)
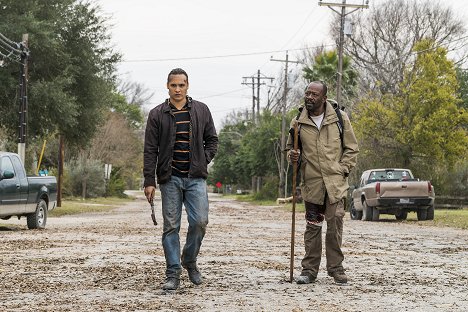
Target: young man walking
(180, 141)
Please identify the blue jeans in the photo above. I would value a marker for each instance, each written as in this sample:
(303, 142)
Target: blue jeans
(193, 194)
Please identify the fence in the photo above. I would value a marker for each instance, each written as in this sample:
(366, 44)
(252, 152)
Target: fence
(450, 202)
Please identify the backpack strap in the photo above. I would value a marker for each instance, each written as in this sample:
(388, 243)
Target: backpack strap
(340, 120)
(340, 124)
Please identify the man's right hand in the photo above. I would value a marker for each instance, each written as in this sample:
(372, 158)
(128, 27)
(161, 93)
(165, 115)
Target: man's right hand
(294, 155)
(149, 193)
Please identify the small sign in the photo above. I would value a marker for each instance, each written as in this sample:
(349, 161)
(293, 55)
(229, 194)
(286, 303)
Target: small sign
(218, 184)
(107, 171)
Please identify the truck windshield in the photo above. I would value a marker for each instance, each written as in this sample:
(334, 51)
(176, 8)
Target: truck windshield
(389, 175)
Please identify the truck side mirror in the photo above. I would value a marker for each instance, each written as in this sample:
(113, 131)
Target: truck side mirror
(7, 174)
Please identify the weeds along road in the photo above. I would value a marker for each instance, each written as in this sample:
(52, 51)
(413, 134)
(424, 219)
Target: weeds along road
(114, 262)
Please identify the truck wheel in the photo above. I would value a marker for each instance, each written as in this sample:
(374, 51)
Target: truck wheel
(401, 215)
(422, 214)
(38, 219)
(375, 214)
(355, 215)
(430, 213)
(366, 212)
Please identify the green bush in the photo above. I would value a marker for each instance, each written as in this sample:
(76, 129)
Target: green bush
(84, 178)
(269, 189)
(117, 184)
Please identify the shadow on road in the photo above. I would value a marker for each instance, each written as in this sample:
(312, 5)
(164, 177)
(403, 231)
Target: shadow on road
(4, 228)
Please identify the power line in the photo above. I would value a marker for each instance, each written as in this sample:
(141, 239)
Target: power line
(256, 98)
(6, 39)
(10, 47)
(230, 109)
(300, 28)
(220, 94)
(15, 51)
(217, 56)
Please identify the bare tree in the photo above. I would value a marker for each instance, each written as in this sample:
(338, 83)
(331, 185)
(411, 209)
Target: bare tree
(116, 143)
(296, 85)
(135, 93)
(384, 37)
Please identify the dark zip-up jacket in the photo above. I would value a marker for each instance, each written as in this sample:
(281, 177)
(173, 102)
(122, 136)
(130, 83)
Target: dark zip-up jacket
(160, 137)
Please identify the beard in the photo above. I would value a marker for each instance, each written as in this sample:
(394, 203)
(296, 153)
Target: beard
(311, 105)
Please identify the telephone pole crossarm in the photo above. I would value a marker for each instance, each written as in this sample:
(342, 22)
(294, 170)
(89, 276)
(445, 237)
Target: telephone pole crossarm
(256, 98)
(347, 5)
(343, 5)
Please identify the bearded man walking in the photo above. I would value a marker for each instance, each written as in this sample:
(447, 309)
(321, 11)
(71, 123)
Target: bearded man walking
(328, 151)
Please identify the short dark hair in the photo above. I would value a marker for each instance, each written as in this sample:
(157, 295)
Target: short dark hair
(320, 82)
(177, 71)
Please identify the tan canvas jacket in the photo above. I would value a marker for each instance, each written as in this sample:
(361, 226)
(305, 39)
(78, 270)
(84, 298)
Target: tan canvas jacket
(325, 164)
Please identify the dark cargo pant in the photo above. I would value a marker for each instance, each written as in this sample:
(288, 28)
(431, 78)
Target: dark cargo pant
(334, 214)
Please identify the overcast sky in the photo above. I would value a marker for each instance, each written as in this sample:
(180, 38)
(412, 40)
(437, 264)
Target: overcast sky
(156, 36)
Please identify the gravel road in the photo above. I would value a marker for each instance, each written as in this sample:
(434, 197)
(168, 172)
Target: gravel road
(114, 262)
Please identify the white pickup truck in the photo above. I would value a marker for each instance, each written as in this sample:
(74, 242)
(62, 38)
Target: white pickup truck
(391, 191)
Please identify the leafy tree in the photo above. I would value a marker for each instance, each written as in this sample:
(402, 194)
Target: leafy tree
(247, 151)
(131, 112)
(422, 127)
(429, 102)
(72, 67)
(325, 67)
(227, 166)
(261, 144)
(462, 76)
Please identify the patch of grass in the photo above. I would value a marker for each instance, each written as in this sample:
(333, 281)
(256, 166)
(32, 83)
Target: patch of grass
(455, 218)
(76, 206)
(450, 217)
(251, 199)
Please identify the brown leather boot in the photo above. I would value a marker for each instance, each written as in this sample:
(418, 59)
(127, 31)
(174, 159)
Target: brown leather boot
(339, 276)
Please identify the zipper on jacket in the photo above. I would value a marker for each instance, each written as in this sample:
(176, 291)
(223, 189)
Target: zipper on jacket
(190, 143)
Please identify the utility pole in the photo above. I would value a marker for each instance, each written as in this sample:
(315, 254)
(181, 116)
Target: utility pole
(253, 94)
(256, 98)
(23, 98)
(258, 90)
(256, 181)
(282, 189)
(60, 170)
(18, 52)
(342, 14)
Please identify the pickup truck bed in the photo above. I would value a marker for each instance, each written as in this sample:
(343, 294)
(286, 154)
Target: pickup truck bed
(21, 195)
(392, 191)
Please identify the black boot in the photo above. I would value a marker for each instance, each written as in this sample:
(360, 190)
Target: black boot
(172, 283)
(195, 275)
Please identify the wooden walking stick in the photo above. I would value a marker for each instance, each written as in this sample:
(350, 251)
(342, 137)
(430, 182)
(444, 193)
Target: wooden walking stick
(293, 221)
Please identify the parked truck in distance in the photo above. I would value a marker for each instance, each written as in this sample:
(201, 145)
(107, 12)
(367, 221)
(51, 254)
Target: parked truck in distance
(391, 191)
(22, 195)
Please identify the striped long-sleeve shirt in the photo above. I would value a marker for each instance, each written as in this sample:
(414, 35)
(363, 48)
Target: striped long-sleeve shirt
(181, 156)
